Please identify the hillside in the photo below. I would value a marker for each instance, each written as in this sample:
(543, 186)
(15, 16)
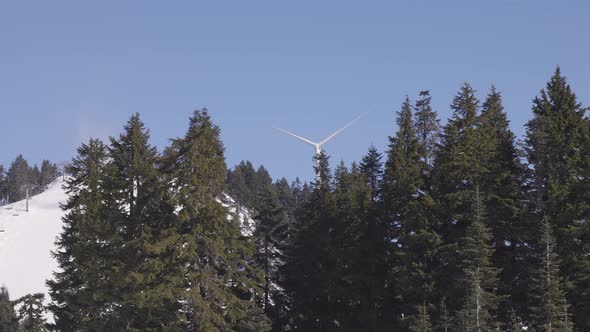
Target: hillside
(26, 239)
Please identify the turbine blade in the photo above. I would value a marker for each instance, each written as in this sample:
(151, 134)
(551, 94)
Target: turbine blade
(299, 137)
(341, 129)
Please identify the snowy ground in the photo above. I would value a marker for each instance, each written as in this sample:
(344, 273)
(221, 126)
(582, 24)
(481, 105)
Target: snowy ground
(27, 240)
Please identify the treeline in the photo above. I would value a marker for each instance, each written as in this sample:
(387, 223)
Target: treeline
(455, 228)
(21, 177)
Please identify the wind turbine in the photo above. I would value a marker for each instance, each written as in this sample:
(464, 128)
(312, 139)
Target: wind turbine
(318, 145)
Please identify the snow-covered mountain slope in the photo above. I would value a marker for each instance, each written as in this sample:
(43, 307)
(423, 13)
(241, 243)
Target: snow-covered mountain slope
(26, 241)
(27, 238)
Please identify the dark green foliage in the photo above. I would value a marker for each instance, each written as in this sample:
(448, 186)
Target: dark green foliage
(140, 212)
(48, 173)
(558, 140)
(427, 127)
(270, 232)
(19, 178)
(218, 285)
(30, 313)
(243, 183)
(76, 290)
(22, 177)
(310, 274)
(407, 209)
(501, 184)
(8, 318)
(549, 311)
(479, 277)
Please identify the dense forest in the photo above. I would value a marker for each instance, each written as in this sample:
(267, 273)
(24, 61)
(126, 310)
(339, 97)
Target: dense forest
(455, 227)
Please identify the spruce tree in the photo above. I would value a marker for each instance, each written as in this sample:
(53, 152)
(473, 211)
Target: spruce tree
(427, 126)
(549, 310)
(407, 210)
(372, 248)
(3, 186)
(217, 286)
(270, 231)
(143, 219)
(421, 321)
(501, 184)
(8, 318)
(310, 274)
(47, 174)
(458, 167)
(479, 278)
(79, 290)
(18, 179)
(31, 313)
(558, 140)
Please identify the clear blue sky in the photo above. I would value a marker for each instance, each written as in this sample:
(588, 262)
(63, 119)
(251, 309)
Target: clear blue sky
(70, 70)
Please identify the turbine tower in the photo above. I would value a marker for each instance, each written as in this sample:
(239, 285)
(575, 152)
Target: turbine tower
(318, 145)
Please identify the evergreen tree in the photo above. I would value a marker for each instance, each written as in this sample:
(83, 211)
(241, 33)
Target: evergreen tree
(407, 208)
(421, 322)
(549, 311)
(48, 173)
(143, 219)
(3, 186)
(372, 254)
(427, 127)
(218, 285)
(269, 233)
(310, 273)
(18, 179)
(78, 289)
(243, 183)
(33, 180)
(558, 140)
(8, 319)
(502, 194)
(479, 277)
(459, 165)
(31, 313)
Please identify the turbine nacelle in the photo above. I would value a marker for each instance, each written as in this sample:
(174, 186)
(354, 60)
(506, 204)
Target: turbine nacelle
(318, 146)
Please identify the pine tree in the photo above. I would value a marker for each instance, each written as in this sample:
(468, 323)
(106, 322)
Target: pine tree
(558, 140)
(8, 319)
(78, 289)
(549, 311)
(218, 285)
(31, 313)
